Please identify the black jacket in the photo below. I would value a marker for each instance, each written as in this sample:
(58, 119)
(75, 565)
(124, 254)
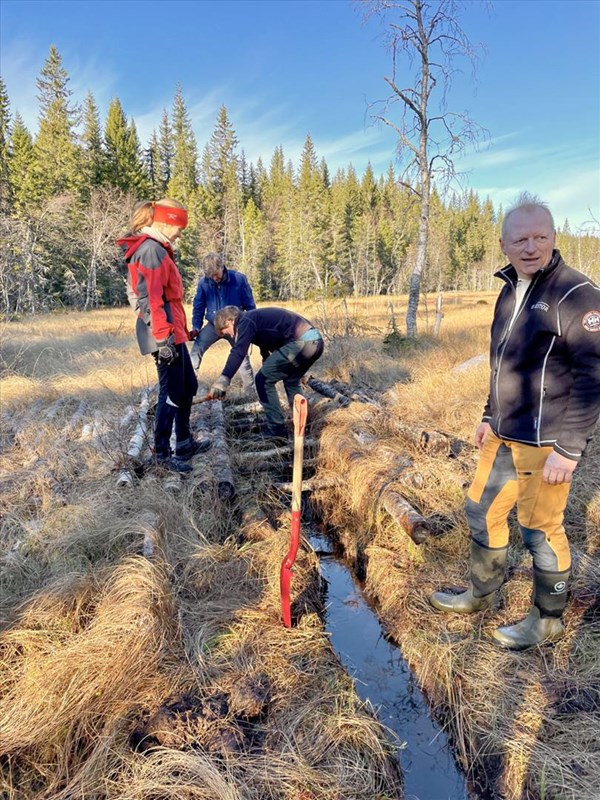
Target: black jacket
(269, 328)
(545, 370)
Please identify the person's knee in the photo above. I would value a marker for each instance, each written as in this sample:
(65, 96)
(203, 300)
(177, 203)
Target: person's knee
(260, 384)
(476, 519)
(549, 552)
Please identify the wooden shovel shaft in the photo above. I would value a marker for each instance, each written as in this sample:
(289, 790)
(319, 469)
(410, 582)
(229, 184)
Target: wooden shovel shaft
(300, 413)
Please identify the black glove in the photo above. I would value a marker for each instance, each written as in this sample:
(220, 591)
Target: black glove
(193, 334)
(167, 352)
(219, 388)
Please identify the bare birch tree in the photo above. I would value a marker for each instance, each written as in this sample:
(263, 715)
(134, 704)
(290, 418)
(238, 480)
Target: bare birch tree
(426, 41)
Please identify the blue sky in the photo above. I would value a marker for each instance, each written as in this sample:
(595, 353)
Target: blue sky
(284, 68)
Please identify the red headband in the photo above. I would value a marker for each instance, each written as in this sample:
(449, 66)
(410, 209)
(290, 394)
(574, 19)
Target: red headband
(171, 216)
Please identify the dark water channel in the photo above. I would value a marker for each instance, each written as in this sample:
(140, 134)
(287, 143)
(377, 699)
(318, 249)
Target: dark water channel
(382, 677)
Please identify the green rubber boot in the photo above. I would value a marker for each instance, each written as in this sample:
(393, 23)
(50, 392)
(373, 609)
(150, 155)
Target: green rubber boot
(487, 576)
(543, 623)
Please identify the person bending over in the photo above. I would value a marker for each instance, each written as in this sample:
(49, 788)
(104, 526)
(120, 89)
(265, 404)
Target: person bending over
(289, 345)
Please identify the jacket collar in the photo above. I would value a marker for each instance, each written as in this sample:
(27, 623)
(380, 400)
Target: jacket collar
(224, 279)
(129, 244)
(509, 273)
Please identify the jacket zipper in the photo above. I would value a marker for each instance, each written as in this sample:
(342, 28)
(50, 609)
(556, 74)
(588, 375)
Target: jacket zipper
(504, 341)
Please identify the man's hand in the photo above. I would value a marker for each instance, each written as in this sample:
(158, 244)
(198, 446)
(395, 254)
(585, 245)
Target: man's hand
(167, 352)
(480, 434)
(558, 469)
(218, 389)
(193, 334)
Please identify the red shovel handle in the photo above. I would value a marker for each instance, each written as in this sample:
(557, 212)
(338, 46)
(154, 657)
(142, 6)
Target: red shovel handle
(300, 415)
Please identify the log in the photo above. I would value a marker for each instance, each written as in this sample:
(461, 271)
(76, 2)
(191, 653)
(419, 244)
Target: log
(235, 410)
(311, 484)
(78, 415)
(149, 528)
(328, 391)
(401, 511)
(138, 439)
(271, 452)
(353, 393)
(430, 441)
(269, 466)
(212, 470)
(476, 361)
(252, 425)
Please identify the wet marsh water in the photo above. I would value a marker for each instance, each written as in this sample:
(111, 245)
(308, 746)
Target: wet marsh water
(382, 677)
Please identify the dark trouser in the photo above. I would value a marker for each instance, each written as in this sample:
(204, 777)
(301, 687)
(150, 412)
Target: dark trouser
(288, 364)
(177, 386)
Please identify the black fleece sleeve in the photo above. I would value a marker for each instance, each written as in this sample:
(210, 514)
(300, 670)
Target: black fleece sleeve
(580, 322)
(243, 339)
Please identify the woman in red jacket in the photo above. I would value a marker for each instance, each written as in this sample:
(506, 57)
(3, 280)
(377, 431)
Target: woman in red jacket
(155, 291)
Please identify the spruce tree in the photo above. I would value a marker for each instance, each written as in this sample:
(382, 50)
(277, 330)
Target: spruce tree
(184, 172)
(311, 212)
(153, 167)
(5, 187)
(57, 164)
(20, 161)
(166, 150)
(223, 191)
(91, 139)
(124, 165)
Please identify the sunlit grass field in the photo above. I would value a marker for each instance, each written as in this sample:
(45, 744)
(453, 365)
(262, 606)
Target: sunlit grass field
(96, 636)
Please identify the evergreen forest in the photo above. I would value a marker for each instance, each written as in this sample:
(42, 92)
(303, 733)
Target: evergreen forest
(297, 230)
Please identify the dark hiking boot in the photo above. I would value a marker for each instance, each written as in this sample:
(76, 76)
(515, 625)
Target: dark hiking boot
(192, 448)
(487, 576)
(543, 623)
(172, 464)
(276, 432)
(463, 603)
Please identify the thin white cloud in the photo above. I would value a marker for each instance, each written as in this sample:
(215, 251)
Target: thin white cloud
(20, 68)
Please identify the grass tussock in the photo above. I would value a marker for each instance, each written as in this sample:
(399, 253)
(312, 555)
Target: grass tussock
(171, 675)
(524, 723)
(111, 661)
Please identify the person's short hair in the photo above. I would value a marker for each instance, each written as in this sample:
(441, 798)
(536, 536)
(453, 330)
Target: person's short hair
(225, 315)
(212, 263)
(526, 202)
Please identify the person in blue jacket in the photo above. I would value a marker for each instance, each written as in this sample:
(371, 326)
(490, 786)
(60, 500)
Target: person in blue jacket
(219, 287)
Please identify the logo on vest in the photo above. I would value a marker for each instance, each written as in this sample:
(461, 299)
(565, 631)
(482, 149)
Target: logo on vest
(541, 306)
(559, 587)
(591, 321)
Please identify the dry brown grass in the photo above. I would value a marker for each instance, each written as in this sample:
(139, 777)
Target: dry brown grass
(530, 720)
(98, 638)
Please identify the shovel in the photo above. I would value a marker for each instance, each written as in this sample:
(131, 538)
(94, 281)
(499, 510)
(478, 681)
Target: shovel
(285, 577)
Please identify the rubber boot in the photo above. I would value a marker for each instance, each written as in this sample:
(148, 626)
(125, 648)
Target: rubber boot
(487, 576)
(543, 623)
